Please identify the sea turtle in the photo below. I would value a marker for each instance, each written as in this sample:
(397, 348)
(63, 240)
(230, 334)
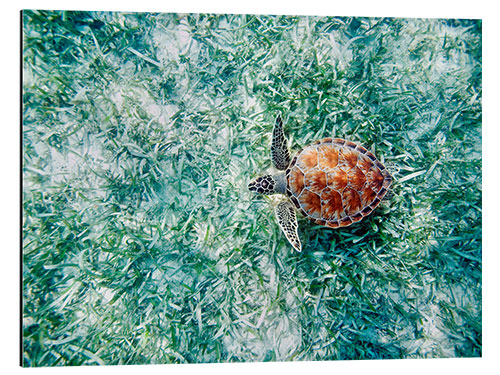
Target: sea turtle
(333, 182)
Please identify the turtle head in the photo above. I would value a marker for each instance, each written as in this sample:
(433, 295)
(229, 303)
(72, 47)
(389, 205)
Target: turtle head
(269, 184)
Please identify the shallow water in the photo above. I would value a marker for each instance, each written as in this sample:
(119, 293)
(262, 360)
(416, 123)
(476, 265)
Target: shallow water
(141, 242)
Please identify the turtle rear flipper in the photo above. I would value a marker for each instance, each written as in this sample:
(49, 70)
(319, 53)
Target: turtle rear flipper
(287, 219)
(279, 149)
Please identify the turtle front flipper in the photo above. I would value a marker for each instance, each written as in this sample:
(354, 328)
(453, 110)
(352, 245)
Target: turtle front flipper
(279, 150)
(287, 219)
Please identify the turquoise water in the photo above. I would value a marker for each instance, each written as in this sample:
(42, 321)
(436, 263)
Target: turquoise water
(141, 242)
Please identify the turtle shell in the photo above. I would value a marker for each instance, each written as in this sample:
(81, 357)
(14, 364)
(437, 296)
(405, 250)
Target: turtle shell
(336, 182)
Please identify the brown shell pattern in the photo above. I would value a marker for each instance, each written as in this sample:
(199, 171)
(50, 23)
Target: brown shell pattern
(336, 182)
